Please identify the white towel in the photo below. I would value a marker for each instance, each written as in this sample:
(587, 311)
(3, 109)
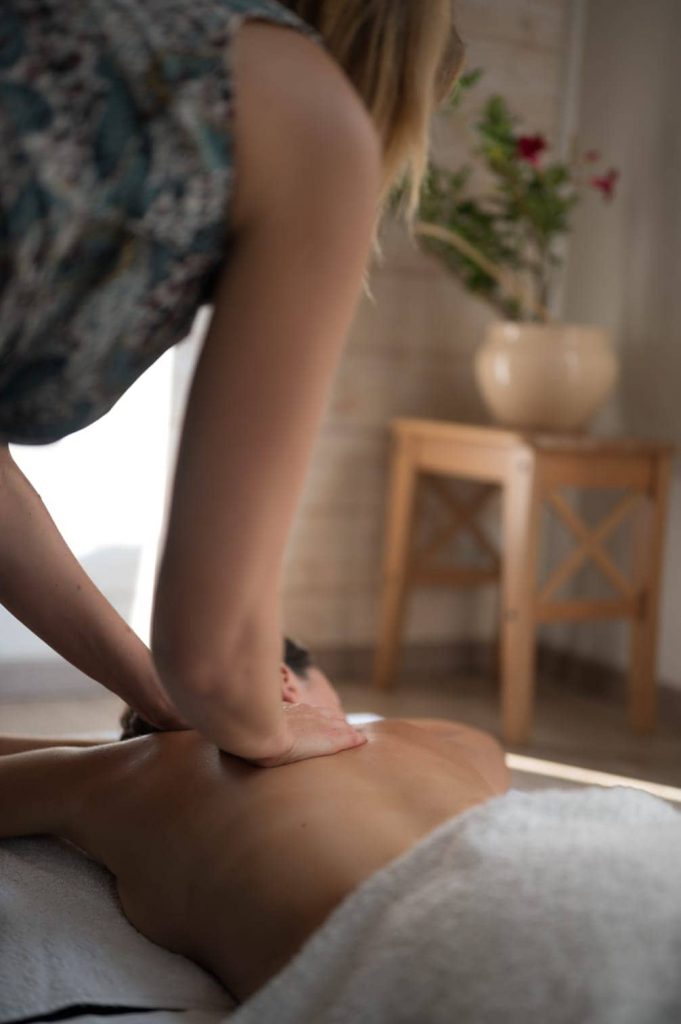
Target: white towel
(64, 941)
(548, 907)
(152, 1017)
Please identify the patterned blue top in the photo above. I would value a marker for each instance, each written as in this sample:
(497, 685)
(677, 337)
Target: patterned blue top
(116, 168)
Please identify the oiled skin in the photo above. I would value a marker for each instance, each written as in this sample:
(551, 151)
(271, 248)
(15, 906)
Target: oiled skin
(235, 866)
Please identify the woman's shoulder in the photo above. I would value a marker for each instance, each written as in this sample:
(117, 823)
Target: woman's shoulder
(295, 110)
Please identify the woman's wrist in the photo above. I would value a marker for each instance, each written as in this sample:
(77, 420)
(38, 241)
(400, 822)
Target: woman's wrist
(245, 720)
(236, 730)
(137, 682)
(154, 704)
(231, 692)
(259, 748)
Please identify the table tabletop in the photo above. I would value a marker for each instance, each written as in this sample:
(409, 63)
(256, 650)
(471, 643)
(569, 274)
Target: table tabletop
(494, 437)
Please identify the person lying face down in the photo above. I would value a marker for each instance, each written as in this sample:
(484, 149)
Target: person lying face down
(233, 865)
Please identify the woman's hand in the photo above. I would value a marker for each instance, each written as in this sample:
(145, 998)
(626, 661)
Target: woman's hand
(155, 709)
(133, 723)
(312, 732)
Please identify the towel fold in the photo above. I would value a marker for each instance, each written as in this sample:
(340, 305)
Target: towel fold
(153, 1017)
(64, 941)
(146, 1017)
(548, 907)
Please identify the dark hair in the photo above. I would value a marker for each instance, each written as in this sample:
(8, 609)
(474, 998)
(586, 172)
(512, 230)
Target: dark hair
(298, 659)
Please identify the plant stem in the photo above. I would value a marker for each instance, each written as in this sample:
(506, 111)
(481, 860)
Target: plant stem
(507, 280)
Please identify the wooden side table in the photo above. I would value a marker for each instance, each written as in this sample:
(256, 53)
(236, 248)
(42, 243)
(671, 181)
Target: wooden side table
(531, 471)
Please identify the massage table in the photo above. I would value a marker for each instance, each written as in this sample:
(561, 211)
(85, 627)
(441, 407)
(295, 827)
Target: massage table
(606, 890)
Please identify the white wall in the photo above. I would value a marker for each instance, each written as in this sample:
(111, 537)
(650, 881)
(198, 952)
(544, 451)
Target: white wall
(104, 487)
(624, 262)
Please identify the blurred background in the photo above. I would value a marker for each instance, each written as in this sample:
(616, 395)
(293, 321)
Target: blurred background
(582, 73)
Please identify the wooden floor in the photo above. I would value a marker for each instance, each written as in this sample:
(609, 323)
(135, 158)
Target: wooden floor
(575, 728)
(571, 726)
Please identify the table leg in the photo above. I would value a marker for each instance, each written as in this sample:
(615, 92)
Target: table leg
(649, 539)
(399, 519)
(521, 522)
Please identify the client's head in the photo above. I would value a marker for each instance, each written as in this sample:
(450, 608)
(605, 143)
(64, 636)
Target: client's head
(302, 682)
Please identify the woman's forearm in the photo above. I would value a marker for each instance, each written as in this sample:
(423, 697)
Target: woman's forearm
(44, 586)
(249, 728)
(283, 304)
(233, 696)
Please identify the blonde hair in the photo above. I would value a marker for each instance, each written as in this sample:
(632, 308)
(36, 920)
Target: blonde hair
(403, 57)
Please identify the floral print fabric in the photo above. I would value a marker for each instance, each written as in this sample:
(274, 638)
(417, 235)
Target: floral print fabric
(116, 171)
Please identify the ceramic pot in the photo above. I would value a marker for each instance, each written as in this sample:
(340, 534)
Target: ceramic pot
(552, 377)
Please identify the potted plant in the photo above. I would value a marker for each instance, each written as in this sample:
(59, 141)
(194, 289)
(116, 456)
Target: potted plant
(498, 227)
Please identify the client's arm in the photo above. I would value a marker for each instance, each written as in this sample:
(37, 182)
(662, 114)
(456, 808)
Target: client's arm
(20, 744)
(41, 790)
(56, 788)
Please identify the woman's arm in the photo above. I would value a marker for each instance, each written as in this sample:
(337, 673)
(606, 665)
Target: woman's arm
(44, 586)
(308, 167)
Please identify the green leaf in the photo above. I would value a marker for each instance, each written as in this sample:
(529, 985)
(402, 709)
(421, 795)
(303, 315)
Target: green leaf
(514, 220)
(466, 82)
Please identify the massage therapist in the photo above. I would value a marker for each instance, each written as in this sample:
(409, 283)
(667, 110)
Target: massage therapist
(157, 157)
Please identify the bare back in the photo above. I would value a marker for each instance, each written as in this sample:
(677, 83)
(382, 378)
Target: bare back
(235, 866)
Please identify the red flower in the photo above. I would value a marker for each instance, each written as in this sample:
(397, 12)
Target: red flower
(605, 183)
(529, 148)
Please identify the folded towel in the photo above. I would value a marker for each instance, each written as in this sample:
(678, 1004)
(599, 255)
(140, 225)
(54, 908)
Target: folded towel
(65, 941)
(548, 907)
